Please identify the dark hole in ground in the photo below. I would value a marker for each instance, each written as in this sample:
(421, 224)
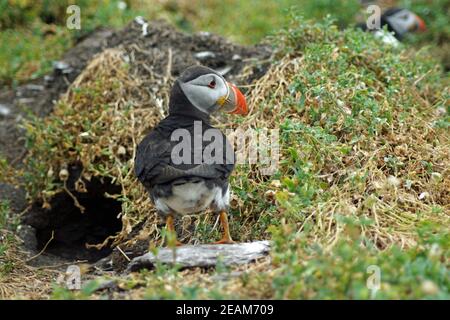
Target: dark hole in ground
(73, 229)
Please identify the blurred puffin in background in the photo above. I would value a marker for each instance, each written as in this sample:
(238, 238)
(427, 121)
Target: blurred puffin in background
(179, 188)
(399, 23)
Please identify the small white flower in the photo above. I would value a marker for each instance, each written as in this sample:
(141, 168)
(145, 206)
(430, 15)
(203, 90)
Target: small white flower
(423, 195)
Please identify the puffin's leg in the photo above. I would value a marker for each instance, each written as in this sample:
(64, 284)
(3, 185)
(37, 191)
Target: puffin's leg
(171, 228)
(226, 237)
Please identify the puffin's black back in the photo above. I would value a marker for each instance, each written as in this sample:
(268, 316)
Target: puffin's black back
(153, 163)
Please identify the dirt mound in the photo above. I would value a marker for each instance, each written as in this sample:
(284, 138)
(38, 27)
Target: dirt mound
(124, 89)
(158, 48)
(38, 97)
(161, 42)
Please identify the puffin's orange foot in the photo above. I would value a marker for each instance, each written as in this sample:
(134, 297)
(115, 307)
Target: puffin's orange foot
(226, 237)
(171, 229)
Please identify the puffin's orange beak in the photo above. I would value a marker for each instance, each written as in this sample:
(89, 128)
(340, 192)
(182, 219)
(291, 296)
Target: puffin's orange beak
(421, 24)
(235, 102)
(241, 103)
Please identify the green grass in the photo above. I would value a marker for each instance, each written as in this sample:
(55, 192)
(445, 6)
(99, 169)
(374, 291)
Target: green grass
(351, 113)
(351, 116)
(28, 46)
(342, 273)
(250, 21)
(4, 213)
(305, 271)
(7, 239)
(26, 54)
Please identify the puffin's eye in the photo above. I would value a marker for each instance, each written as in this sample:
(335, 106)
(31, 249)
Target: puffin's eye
(212, 84)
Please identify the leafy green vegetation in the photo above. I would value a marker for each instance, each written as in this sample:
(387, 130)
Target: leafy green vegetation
(4, 213)
(7, 239)
(252, 20)
(303, 270)
(348, 193)
(363, 177)
(35, 33)
(343, 272)
(28, 54)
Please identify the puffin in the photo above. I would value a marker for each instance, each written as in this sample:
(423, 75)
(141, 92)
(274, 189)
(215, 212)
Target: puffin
(399, 22)
(184, 162)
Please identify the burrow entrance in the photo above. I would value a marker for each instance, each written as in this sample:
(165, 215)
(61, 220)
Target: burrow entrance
(71, 228)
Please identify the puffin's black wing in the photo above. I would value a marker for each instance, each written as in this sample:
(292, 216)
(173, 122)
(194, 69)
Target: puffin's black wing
(152, 156)
(153, 163)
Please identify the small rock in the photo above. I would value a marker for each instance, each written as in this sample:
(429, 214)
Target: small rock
(236, 57)
(4, 110)
(204, 34)
(204, 55)
(60, 65)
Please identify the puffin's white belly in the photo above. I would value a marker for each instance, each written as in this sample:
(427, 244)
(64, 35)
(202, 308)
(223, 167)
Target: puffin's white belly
(193, 197)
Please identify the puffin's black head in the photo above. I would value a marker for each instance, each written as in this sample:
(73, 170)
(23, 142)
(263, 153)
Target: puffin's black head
(201, 89)
(399, 21)
(402, 21)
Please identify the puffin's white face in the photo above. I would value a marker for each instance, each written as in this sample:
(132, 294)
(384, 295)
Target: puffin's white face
(405, 21)
(207, 92)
